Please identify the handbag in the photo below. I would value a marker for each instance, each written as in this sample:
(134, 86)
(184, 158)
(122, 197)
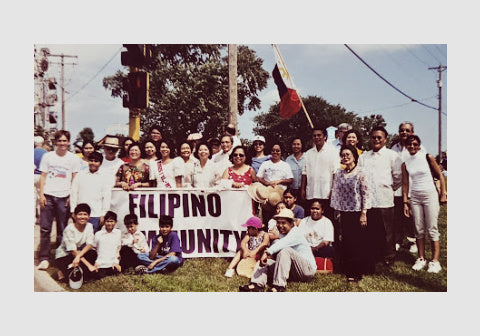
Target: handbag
(324, 265)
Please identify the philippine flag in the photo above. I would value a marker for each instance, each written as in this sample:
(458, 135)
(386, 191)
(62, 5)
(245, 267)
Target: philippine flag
(289, 101)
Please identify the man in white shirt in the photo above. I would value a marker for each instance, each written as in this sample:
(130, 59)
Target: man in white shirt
(321, 163)
(341, 129)
(93, 188)
(404, 226)
(221, 159)
(58, 168)
(383, 166)
(111, 162)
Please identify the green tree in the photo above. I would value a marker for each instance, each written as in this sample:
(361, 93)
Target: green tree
(322, 114)
(189, 88)
(365, 126)
(85, 134)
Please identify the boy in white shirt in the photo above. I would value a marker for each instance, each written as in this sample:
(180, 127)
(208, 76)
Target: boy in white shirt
(92, 187)
(133, 243)
(107, 242)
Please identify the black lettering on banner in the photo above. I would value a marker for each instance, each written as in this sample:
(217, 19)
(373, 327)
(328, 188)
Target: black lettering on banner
(131, 202)
(186, 208)
(150, 236)
(151, 206)
(190, 247)
(215, 241)
(239, 236)
(214, 205)
(198, 205)
(226, 237)
(173, 202)
(162, 204)
(143, 212)
(204, 241)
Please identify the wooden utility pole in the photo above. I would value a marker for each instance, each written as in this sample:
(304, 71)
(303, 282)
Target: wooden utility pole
(440, 69)
(62, 84)
(232, 86)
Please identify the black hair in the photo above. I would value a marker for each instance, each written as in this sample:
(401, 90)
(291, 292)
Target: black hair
(413, 137)
(357, 133)
(170, 145)
(60, 133)
(379, 128)
(123, 153)
(133, 144)
(351, 149)
(96, 156)
(204, 143)
(301, 141)
(130, 219)
(165, 220)
(315, 200)
(322, 129)
(188, 142)
(154, 127)
(248, 158)
(82, 207)
(291, 191)
(142, 148)
(276, 143)
(86, 142)
(110, 215)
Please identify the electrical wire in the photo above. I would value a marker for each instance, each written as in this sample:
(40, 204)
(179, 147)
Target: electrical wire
(386, 81)
(423, 45)
(414, 55)
(98, 72)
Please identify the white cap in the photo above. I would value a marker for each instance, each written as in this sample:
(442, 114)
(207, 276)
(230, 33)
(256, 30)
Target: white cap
(258, 138)
(38, 140)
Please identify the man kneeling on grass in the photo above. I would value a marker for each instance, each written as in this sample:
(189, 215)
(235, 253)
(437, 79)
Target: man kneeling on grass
(166, 254)
(294, 258)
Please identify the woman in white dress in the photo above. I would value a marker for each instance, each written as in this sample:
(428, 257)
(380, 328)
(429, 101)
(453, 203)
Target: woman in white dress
(183, 165)
(205, 172)
(162, 171)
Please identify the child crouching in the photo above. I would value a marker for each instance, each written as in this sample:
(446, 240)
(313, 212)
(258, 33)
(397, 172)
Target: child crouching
(166, 254)
(133, 243)
(107, 243)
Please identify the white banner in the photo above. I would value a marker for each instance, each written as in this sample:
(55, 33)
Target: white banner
(207, 221)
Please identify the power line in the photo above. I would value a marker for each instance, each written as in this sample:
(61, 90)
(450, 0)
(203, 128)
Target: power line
(386, 81)
(418, 58)
(396, 106)
(440, 51)
(98, 72)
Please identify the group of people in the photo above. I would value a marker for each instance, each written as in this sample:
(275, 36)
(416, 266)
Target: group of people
(360, 205)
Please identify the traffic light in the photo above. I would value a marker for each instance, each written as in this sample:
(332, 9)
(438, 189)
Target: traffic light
(137, 55)
(136, 86)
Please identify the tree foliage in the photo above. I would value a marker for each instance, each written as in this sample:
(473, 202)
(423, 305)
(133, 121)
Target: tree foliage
(85, 134)
(189, 88)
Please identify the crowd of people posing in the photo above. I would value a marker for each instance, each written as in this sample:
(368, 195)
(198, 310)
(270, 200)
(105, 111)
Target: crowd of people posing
(330, 201)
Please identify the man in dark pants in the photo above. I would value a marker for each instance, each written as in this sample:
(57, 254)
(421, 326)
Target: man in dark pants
(384, 169)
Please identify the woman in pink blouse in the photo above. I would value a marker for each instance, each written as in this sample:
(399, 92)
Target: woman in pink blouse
(241, 172)
(351, 199)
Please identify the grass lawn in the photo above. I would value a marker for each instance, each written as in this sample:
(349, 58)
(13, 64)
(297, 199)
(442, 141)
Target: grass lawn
(206, 275)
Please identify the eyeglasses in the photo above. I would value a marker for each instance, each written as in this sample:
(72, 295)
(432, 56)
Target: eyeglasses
(238, 155)
(258, 144)
(276, 150)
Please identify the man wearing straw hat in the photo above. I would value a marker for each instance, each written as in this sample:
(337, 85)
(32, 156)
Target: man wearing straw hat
(111, 162)
(294, 259)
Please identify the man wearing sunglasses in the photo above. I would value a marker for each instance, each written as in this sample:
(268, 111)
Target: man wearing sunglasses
(383, 166)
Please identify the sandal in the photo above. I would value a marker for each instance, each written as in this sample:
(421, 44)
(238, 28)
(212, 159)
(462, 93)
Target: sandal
(277, 289)
(251, 287)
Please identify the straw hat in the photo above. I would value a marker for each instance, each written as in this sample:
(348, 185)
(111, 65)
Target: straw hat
(285, 213)
(194, 137)
(258, 192)
(275, 195)
(245, 267)
(111, 141)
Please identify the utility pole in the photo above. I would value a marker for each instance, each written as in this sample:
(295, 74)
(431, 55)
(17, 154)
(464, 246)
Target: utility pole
(232, 85)
(62, 84)
(439, 69)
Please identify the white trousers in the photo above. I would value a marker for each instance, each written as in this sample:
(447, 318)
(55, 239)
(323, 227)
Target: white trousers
(425, 208)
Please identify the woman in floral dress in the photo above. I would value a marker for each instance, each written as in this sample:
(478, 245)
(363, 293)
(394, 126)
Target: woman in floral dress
(135, 173)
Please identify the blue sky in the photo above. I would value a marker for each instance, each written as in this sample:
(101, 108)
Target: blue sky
(330, 71)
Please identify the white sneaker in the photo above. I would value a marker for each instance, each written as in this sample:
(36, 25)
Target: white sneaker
(413, 248)
(434, 267)
(397, 247)
(44, 264)
(411, 240)
(229, 272)
(419, 264)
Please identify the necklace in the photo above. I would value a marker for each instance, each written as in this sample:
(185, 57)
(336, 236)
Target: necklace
(349, 170)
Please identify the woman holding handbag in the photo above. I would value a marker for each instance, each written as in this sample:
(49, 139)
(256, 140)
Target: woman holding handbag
(424, 200)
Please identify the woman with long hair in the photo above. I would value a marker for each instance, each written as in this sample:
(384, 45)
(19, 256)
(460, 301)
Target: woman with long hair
(123, 154)
(162, 170)
(88, 148)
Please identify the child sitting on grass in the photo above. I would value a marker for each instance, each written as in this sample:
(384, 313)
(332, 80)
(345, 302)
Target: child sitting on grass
(273, 233)
(75, 250)
(166, 254)
(133, 243)
(107, 243)
(255, 240)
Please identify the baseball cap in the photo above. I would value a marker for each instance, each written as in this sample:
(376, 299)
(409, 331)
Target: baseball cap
(75, 279)
(258, 138)
(253, 221)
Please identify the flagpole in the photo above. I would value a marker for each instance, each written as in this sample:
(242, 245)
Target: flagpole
(286, 69)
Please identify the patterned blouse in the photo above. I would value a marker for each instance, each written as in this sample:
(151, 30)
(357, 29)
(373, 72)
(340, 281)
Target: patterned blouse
(132, 174)
(245, 178)
(351, 191)
(255, 242)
